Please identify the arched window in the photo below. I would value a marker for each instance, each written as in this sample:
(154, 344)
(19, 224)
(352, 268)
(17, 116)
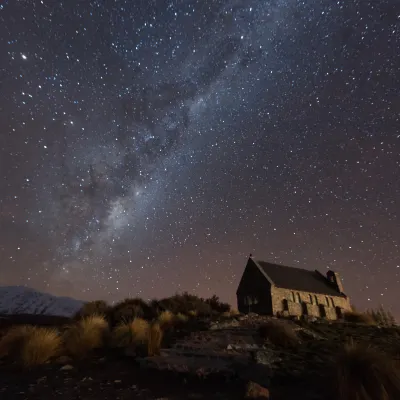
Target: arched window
(298, 297)
(293, 297)
(316, 299)
(332, 302)
(285, 305)
(311, 299)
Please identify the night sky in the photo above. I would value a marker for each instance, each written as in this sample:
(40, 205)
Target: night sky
(147, 147)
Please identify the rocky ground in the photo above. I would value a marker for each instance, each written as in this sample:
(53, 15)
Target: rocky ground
(211, 364)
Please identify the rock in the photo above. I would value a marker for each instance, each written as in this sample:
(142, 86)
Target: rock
(67, 367)
(229, 347)
(118, 381)
(256, 391)
(63, 360)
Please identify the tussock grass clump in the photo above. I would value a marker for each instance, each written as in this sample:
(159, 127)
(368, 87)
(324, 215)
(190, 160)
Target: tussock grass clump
(363, 373)
(358, 318)
(30, 345)
(279, 333)
(12, 341)
(84, 336)
(155, 336)
(40, 346)
(130, 333)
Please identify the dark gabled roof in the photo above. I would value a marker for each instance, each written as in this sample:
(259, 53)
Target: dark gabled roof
(297, 279)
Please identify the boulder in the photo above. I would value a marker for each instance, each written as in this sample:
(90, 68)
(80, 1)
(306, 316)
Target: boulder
(256, 391)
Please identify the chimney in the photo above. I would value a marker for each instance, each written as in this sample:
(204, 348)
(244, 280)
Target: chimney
(334, 278)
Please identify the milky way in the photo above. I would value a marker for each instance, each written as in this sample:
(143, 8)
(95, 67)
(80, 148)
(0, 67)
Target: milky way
(149, 147)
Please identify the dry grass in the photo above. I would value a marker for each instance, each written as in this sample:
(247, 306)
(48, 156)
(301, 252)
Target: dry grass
(279, 333)
(40, 346)
(87, 334)
(12, 341)
(135, 332)
(359, 318)
(365, 374)
(155, 336)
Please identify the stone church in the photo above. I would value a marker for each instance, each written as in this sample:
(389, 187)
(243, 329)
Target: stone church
(272, 289)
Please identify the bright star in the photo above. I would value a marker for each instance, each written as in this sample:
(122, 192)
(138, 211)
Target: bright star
(24, 57)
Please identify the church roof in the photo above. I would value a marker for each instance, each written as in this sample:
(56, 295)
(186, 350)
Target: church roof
(297, 279)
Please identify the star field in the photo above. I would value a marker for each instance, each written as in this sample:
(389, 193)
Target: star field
(149, 147)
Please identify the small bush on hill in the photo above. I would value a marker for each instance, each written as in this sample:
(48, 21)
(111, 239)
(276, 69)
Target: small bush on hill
(40, 346)
(359, 318)
(85, 335)
(217, 305)
(129, 309)
(185, 303)
(155, 336)
(12, 341)
(279, 333)
(98, 307)
(130, 333)
(365, 374)
(382, 317)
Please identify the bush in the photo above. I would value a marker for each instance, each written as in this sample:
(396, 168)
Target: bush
(129, 309)
(217, 305)
(12, 341)
(181, 318)
(155, 336)
(382, 317)
(40, 346)
(185, 303)
(358, 318)
(130, 333)
(98, 307)
(279, 333)
(85, 335)
(364, 374)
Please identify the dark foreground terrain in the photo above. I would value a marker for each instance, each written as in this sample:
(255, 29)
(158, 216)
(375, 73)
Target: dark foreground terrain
(215, 363)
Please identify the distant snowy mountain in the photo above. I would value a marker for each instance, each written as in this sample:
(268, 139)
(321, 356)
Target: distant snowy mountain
(23, 300)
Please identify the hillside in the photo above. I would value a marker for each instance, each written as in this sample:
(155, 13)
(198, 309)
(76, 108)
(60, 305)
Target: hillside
(24, 300)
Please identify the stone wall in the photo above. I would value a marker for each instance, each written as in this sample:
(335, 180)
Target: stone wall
(312, 304)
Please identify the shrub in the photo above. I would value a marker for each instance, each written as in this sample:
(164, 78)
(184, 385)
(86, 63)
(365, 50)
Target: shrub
(85, 335)
(217, 305)
(155, 335)
(181, 317)
(40, 346)
(98, 307)
(193, 313)
(364, 374)
(129, 309)
(129, 333)
(12, 341)
(359, 318)
(279, 333)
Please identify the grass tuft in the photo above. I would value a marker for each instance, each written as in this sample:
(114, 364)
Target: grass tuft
(12, 341)
(166, 319)
(129, 333)
(279, 333)
(84, 336)
(40, 346)
(155, 336)
(364, 374)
